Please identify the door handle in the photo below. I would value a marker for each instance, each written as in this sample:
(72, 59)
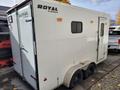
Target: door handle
(24, 49)
(28, 20)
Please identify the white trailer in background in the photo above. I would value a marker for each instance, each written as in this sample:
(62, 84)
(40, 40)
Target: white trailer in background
(55, 43)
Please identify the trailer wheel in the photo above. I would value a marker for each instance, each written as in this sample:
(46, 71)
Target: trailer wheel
(91, 69)
(85, 74)
(76, 78)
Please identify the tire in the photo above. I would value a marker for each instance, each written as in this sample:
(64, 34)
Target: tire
(76, 78)
(91, 69)
(85, 74)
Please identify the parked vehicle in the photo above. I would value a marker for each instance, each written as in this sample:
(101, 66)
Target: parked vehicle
(5, 45)
(55, 43)
(114, 38)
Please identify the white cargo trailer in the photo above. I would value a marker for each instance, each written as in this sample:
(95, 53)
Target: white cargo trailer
(55, 43)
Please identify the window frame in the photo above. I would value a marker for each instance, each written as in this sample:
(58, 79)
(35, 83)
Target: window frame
(77, 30)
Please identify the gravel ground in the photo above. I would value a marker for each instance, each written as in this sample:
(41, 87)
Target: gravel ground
(109, 82)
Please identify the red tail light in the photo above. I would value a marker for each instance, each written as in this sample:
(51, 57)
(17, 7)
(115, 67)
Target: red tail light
(118, 41)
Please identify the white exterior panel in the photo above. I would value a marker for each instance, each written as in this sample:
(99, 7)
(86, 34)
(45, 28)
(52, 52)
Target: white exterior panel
(58, 49)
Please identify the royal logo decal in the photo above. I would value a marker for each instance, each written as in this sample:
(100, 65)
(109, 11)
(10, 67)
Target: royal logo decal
(48, 8)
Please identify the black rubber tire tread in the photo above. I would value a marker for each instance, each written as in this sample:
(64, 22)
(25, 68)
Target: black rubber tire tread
(85, 74)
(76, 78)
(91, 69)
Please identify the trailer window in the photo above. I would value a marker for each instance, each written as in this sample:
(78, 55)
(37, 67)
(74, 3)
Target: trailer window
(102, 29)
(76, 27)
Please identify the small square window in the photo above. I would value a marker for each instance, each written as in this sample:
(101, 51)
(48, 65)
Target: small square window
(76, 27)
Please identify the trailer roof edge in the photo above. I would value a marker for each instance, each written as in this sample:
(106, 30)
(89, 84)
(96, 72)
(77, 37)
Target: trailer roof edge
(17, 6)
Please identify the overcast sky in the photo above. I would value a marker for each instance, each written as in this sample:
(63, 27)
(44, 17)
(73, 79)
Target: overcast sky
(108, 6)
(7, 2)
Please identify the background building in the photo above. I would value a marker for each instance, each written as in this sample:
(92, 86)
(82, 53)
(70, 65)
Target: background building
(118, 18)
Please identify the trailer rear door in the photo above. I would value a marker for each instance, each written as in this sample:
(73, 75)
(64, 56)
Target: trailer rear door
(14, 36)
(27, 44)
